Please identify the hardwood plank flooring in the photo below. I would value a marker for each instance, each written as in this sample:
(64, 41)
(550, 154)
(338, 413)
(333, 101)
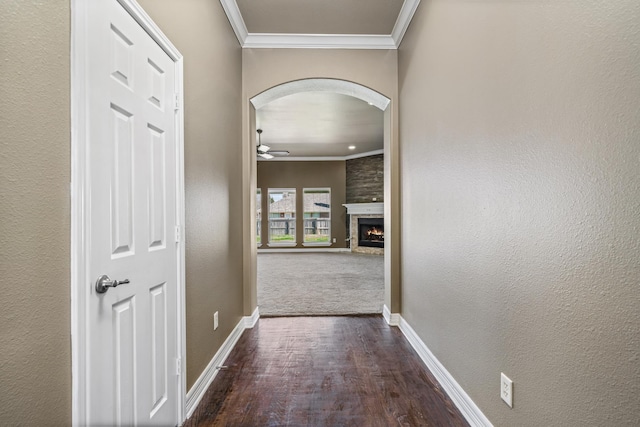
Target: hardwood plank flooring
(324, 371)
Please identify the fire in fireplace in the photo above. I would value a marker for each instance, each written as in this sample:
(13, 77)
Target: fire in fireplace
(371, 232)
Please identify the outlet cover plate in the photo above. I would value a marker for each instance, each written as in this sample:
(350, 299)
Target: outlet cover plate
(506, 389)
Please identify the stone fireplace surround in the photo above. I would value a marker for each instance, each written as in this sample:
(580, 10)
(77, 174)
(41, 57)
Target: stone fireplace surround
(363, 210)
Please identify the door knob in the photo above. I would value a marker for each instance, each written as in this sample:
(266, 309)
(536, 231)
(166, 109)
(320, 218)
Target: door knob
(104, 283)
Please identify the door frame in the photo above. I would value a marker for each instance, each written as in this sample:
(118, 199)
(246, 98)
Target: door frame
(80, 198)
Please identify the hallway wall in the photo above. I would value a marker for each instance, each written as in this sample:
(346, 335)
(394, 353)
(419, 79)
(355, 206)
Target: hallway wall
(35, 170)
(212, 95)
(520, 149)
(35, 356)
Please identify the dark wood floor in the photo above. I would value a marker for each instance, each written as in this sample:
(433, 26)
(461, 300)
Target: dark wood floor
(324, 371)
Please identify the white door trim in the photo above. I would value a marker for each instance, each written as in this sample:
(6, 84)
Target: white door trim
(80, 198)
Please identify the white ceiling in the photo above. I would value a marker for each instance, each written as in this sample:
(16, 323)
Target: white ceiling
(320, 124)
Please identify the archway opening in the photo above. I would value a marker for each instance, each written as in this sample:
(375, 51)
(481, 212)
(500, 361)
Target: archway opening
(334, 86)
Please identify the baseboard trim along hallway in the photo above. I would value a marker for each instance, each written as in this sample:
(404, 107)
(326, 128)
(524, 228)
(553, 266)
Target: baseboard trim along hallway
(250, 321)
(309, 249)
(460, 398)
(195, 393)
(393, 319)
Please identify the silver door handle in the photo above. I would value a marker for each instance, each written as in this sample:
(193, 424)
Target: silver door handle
(104, 283)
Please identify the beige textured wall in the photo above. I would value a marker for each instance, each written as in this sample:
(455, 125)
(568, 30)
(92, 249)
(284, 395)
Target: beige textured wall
(265, 68)
(376, 69)
(35, 356)
(521, 197)
(300, 175)
(212, 92)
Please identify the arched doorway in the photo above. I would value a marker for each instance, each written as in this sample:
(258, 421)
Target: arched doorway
(391, 183)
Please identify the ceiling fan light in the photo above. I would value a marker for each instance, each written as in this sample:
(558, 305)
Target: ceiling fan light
(263, 148)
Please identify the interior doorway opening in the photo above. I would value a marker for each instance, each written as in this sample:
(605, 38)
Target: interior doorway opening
(351, 89)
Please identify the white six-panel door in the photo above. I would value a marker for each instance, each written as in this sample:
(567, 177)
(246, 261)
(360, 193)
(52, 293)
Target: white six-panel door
(131, 329)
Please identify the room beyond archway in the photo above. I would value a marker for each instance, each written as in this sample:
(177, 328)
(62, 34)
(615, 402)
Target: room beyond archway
(372, 98)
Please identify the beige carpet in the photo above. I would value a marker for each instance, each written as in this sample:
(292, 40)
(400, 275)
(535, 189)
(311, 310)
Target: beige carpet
(329, 283)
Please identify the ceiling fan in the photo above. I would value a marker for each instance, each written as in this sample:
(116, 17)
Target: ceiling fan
(265, 151)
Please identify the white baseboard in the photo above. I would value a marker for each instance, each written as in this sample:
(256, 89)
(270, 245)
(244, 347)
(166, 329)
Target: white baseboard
(302, 250)
(250, 321)
(205, 379)
(393, 319)
(460, 398)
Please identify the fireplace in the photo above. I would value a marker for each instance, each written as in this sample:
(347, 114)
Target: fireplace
(371, 232)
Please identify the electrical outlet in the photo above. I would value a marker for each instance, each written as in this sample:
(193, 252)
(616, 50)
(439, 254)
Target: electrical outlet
(215, 320)
(506, 389)
(334, 240)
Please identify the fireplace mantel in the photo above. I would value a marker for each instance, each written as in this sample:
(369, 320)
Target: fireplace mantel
(365, 208)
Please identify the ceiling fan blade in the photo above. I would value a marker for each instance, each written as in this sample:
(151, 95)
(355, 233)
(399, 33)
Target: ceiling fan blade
(279, 153)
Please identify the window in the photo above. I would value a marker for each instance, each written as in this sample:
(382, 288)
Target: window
(317, 215)
(282, 216)
(259, 216)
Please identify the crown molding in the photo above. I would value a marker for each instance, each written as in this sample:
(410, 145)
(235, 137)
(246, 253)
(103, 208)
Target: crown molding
(323, 158)
(304, 159)
(318, 41)
(235, 19)
(405, 16)
(367, 154)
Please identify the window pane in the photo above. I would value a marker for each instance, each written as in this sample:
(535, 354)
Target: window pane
(317, 215)
(282, 215)
(259, 216)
